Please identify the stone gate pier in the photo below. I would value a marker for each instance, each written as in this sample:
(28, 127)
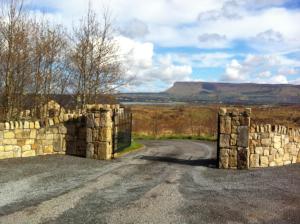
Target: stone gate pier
(243, 144)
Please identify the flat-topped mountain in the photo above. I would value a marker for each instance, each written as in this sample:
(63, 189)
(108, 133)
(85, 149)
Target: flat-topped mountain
(227, 93)
(237, 92)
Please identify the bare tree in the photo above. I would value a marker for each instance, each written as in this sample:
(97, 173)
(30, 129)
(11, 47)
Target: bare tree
(38, 59)
(94, 58)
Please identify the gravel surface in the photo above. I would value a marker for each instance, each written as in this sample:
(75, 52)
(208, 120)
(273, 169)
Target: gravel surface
(167, 182)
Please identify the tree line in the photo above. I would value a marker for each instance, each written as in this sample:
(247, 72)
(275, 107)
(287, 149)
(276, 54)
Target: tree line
(38, 58)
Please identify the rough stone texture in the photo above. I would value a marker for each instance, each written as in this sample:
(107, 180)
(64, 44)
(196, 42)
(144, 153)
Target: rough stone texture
(88, 135)
(233, 139)
(261, 145)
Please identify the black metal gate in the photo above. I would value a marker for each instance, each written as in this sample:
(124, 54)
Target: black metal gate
(122, 130)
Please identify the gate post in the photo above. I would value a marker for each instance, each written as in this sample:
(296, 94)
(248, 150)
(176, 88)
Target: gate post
(233, 139)
(105, 146)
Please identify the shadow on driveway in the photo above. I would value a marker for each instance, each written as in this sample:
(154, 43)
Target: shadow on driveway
(211, 163)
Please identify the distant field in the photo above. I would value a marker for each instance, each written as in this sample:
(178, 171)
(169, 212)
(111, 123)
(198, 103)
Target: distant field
(198, 122)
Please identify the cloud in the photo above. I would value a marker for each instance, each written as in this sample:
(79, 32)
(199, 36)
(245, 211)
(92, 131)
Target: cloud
(269, 36)
(135, 28)
(261, 69)
(278, 79)
(234, 72)
(212, 40)
(146, 69)
(230, 10)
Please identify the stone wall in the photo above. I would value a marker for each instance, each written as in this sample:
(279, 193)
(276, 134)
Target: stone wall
(243, 145)
(233, 141)
(273, 145)
(87, 134)
(25, 138)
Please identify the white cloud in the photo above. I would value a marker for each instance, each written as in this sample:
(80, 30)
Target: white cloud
(261, 69)
(269, 36)
(212, 40)
(278, 79)
(147, 69)
(234, 72)
(135, 28)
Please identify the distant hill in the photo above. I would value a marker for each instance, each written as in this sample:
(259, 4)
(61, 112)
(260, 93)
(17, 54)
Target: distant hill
(227, 93)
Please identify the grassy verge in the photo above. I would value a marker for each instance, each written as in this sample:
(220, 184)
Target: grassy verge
(133, 147)
(174, 137)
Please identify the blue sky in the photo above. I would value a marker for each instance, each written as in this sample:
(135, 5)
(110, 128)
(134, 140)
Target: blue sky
(209, 40)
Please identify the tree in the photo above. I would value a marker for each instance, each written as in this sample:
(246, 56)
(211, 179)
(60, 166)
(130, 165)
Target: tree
(94, 58)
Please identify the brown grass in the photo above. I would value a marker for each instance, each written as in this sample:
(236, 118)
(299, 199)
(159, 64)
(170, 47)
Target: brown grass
(196, 120)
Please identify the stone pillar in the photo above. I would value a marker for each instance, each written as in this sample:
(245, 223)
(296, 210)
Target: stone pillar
(105, 146)
(233, 139)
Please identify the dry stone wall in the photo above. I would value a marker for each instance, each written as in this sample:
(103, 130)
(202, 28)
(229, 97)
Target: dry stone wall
(233, 141)
(274, 145)
(242, 145)
(87, 134)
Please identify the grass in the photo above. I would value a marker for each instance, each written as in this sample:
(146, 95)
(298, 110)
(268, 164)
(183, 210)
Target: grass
(133, 147)
(174, 137)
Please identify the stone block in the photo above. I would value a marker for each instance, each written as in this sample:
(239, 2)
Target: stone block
(272, 164)
(8, 135)
(222, 111)
(33, 133)
(62, 129)
(90, 151)
(277, 139)
(242, 158)
(225, 124)
(242, 139)
(280, 151)
(279, 161)
(224, 141)
(271, 158)
(29, 153)
(232, 162)
(10, 141)
(273, 151)
(277, 145)
(294, 159)
(2, 126)
(49, 136)
(26, 148)
(233, 139)
(6, 155)
(286, 157)
(89, 135)
(245, 121)
(287, 163)
(1, 148)
(17, 152)
(31, 125)
(259, 150)
(7, 126)
(254, 160)
(29, 141)
(37, 125)
(264, 161)
(266, 151)
(12, 125)
(48, 149)
(266, 142)
(8, 148)
(56, 120)
(26, 125)
(50, 122)
(105, 134)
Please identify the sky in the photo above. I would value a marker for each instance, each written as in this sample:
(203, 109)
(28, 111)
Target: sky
(166, 41)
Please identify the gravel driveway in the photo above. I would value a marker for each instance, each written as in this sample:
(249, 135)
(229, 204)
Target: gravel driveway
(167, 182)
